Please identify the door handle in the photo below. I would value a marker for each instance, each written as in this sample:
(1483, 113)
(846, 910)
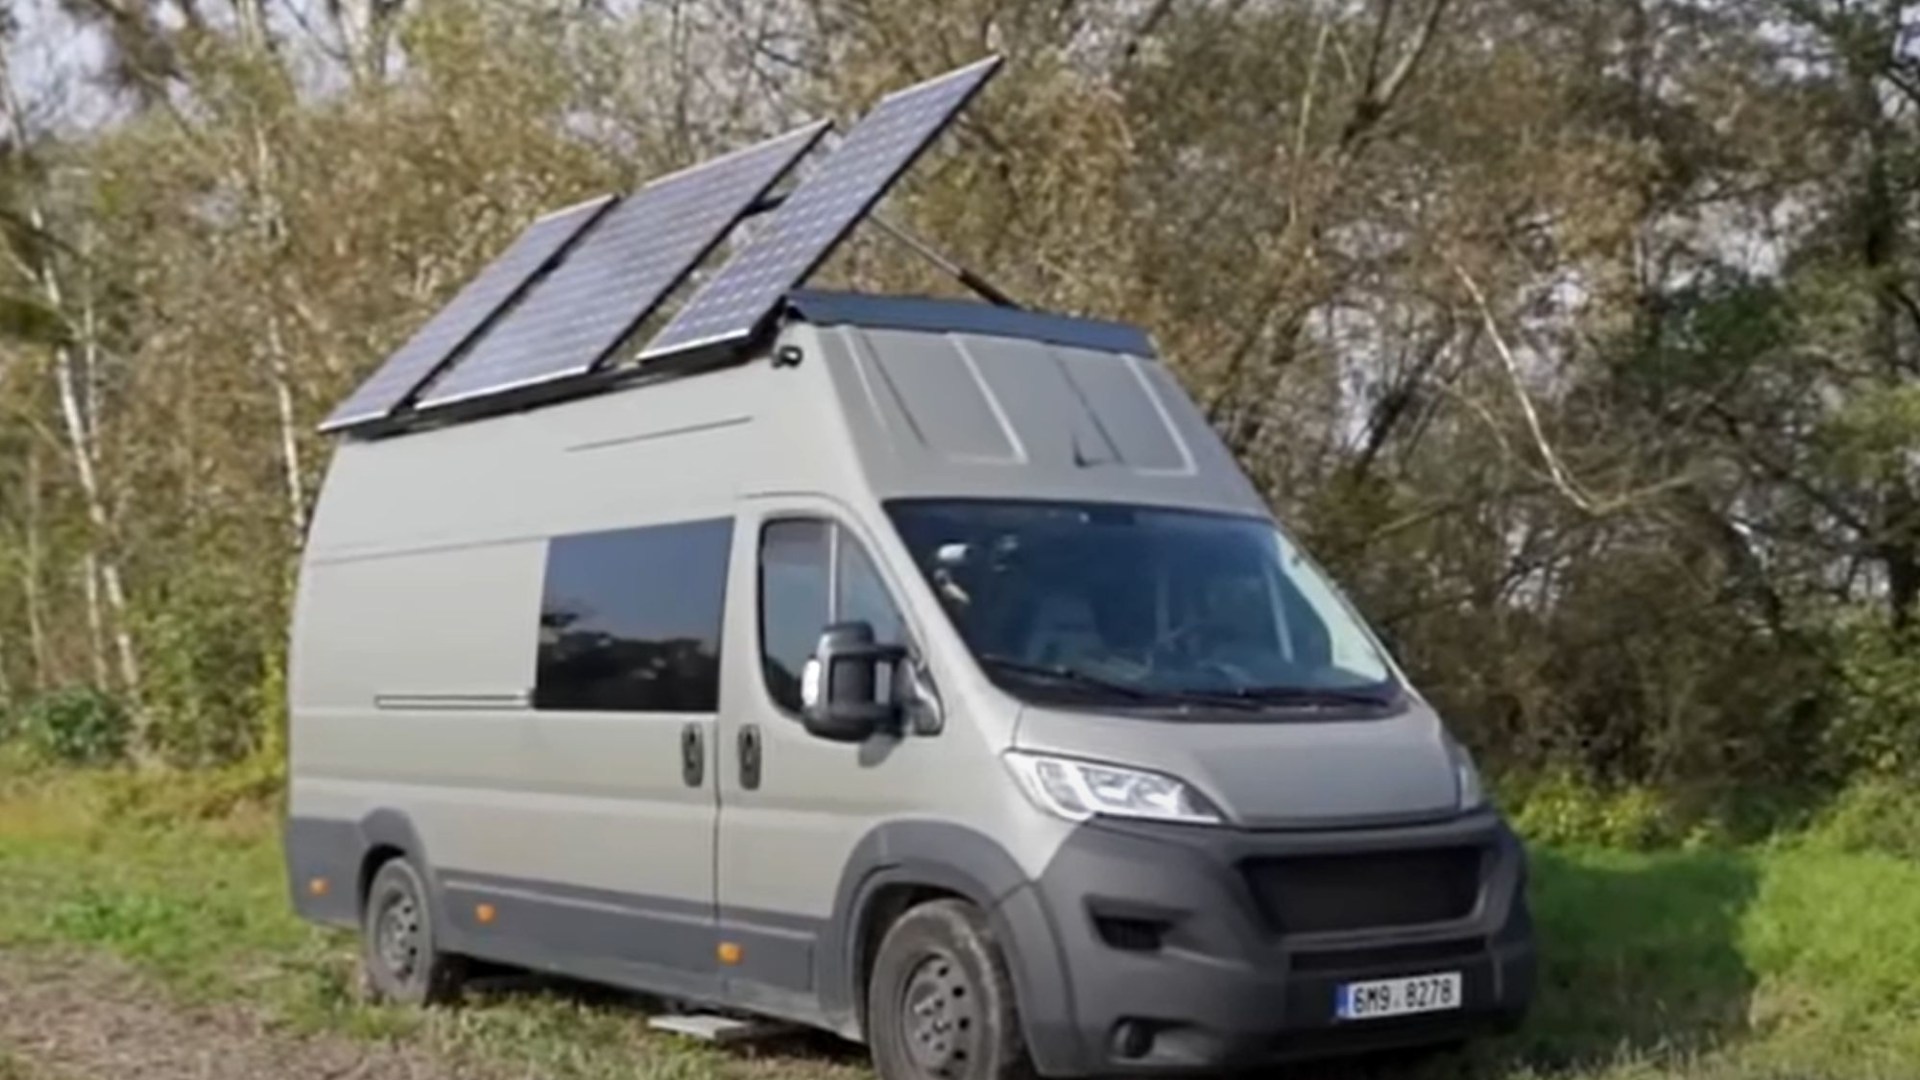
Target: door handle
(750, 756)
(693, 756)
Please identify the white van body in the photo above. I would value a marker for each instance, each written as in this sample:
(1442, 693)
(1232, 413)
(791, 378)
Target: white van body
(554, 660)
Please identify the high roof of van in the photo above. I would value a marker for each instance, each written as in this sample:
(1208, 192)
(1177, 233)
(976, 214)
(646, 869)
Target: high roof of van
(862, 399)
(970, 400)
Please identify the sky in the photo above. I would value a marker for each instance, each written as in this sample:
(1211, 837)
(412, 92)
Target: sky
(53, 57)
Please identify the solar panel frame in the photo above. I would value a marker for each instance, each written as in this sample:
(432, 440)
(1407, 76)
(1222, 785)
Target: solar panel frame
(577, 316)
(736, 304)
(472, 310)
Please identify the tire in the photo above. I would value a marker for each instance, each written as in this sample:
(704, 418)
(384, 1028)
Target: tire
(398, 947)
(940, 1004)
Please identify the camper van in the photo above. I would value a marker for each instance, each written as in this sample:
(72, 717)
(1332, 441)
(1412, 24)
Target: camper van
(925, 671)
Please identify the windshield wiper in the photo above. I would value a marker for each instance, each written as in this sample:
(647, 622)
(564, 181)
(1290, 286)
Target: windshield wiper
(1308, 695)
(1062, 673)
(1246, 697)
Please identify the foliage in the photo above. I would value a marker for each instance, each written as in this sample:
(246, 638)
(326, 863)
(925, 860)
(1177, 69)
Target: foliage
(1878, 726)
(1876, 815)
(77, 725)
(1559, 809)
(1580, 340)
(209, 653)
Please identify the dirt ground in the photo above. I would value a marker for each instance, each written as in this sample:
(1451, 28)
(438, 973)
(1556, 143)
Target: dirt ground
(85, 1018)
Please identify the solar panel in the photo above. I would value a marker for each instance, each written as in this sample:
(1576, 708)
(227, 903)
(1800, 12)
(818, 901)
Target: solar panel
(736, 303)
(452, 326)
(569, 322)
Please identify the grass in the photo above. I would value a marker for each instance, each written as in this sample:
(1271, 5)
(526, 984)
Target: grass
(1790, 961)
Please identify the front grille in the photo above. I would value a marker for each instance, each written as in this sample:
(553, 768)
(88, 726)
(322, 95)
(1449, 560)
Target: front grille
(1308, 894)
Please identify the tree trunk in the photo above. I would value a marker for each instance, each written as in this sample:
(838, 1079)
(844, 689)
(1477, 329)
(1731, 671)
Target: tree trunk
(277, 369)
(82, 437)
(1896, 521)
(76, 372)
(96, 624)
(43, 675)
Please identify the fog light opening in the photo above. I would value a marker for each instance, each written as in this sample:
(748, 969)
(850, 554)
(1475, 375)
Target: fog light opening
(1131, 935)
(1132, 1039)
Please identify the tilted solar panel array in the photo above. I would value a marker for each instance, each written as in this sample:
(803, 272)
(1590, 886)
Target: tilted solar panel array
(572, 288)
(747, 291)
(613, 279)
(470, 311)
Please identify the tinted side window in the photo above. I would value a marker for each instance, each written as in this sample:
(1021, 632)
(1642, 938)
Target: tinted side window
(795, 595)
(630, 619)
(863, 593)
(813, 573)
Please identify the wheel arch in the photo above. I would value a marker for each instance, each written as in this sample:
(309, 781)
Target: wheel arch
(901, 864)
(344, 854)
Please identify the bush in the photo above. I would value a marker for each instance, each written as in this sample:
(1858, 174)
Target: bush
(211, 658)
(78, 725)
(1560, 809)
(164, 797)
(1878, 730)
(1877, 815)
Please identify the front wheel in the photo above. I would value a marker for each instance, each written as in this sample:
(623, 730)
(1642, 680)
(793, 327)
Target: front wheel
(940, 1003)
(399, 949)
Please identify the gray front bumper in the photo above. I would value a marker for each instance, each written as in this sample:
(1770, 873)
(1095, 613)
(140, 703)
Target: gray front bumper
(1219, 986)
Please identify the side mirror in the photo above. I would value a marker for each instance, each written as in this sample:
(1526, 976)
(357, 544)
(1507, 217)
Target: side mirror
(839, 690)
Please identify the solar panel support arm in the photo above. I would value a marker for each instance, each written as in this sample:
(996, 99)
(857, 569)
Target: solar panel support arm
(981, 287)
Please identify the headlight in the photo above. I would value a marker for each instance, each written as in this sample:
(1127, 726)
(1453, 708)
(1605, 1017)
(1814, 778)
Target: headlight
(1077, 790)
(1473, 793)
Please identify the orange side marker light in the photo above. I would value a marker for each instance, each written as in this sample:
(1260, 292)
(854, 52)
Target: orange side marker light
(730, 953)
(318, 886)
(483, 913)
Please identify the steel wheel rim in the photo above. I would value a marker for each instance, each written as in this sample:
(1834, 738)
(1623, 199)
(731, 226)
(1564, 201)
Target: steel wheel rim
(397, 935)
(938, 1016)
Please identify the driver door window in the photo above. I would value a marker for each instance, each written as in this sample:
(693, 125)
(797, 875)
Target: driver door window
(814, 573)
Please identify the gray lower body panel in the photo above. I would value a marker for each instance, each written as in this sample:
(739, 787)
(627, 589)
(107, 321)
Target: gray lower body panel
(655, 945)
(324, 859)
(1150, 928)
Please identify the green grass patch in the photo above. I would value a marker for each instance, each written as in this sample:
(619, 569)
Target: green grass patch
(1787, 961)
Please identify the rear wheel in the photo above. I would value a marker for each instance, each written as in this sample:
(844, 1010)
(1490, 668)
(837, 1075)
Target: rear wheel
(399, 950)
(940, 1004)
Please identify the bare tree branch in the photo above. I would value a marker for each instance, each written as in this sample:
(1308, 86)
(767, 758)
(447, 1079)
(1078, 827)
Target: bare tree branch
(1557, 470)
(1389, 92)
(1377, 96)
(1144, 29)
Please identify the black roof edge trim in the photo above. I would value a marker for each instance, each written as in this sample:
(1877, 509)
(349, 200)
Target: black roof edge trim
(824, 308)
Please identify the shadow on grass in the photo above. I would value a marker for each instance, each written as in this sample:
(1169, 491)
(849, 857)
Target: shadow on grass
(1640, 960)
(800, 1045)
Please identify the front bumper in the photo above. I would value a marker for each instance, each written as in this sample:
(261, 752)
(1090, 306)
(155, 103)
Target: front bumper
(1163, 959)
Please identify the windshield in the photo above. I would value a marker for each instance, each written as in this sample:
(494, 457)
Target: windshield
(1140, 603)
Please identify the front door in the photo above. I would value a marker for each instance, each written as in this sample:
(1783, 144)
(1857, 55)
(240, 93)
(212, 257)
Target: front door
(793, 807)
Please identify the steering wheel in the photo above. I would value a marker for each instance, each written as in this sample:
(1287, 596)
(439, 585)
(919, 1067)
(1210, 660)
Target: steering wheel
(1177, 639)
(1174, 648)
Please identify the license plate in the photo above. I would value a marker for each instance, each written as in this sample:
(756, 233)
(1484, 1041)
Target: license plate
(1405, 996)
